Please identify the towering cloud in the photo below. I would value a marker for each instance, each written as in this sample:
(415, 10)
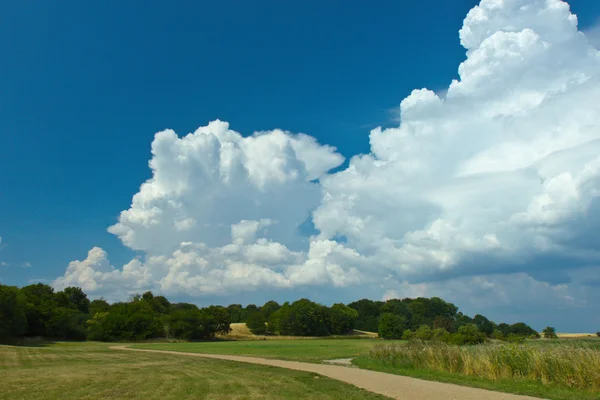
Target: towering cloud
(495, 181)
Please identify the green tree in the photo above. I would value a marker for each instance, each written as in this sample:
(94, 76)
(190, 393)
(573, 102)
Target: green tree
(13, 319)
(221, 319)
(368, 314)
(302, 318)
(550, 333)
(257, 323)
(341, 319)
(483, 324)
(98, 305)
(269, 308)
(524, 330)
(391, 326)
(77, 299)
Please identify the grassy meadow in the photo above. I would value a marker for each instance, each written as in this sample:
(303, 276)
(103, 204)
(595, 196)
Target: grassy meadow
(562, 369)
(307, 350)
(92, 371)
(554, 369)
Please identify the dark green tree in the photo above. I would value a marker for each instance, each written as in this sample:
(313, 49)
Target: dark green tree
(391, 326)
(550, 333)
(13, 319)
(341, 319)
(257, 323)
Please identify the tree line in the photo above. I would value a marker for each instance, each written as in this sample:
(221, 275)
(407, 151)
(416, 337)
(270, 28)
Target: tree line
(40, 311)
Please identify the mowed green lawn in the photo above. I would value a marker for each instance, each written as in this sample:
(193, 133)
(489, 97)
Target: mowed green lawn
(308, 350)
(93, 371)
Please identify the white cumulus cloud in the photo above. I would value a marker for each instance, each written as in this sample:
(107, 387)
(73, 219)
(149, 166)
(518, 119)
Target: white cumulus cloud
(489, 190)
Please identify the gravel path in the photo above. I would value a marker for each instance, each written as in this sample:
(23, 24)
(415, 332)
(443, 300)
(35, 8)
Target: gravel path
(392, 386)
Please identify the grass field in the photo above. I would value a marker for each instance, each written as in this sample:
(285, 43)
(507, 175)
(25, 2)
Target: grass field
(308, 350)
(317, 350)
(92, 371)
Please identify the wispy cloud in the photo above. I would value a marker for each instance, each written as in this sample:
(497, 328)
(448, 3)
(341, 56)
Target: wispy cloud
(26, 264)
(3, 264)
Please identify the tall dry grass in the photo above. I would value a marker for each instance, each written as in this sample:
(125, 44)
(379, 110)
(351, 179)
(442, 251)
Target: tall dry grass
(573, 366)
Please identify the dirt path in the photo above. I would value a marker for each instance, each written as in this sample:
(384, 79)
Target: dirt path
(393, 386)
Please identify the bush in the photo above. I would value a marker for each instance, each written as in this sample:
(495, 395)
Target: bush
(468, 334)
(256, 323)
(598, 334)
(424, 333)
(497, 334)
(441, 335)
(512, 338)
(408, 335)
(391, 326)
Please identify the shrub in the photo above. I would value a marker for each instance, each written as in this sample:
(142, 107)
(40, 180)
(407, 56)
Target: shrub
(512, 338)
(408, 335)
(424, 333)
(471, 335)
(497, 334)
(441, 335)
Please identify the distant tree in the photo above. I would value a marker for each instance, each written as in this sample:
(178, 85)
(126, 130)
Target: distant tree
(78, 299)
(257, 323)
(249, 310)
(221, 319)
(190, 324)
(549, 333)
(235, 312)
(522, 329)
(39, 306)
(269, 308)
(13, 319)
(497, 334)
(504, 328)
(368, 314)
(301, 318)
(391, 326)
(98, 305)
(483, 324)
(444, 322)
(341, 319)
(598, 334)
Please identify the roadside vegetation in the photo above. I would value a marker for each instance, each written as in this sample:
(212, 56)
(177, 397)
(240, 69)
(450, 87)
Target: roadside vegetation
(565, 370)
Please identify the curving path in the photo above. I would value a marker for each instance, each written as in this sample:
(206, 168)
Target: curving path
(392, 386)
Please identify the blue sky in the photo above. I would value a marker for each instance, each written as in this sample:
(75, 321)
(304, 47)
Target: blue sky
(85, 86)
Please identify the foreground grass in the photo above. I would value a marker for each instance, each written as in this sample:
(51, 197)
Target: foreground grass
(308, 350)
(92, 371)
(561, 370)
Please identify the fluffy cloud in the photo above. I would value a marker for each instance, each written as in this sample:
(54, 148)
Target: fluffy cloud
(486, 192)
